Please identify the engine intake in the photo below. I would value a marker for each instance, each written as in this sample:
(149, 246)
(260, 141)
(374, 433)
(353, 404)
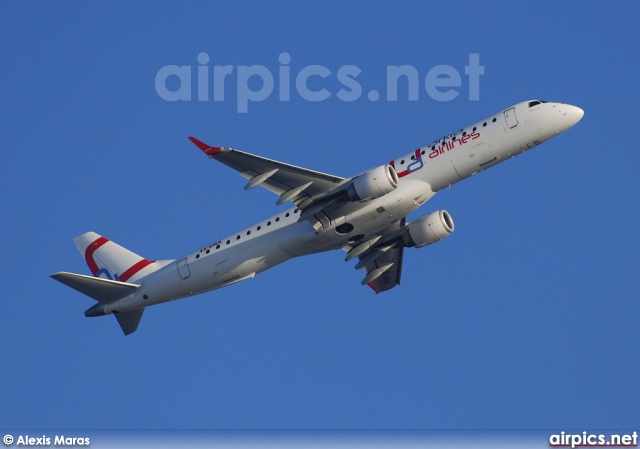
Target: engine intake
(373, 184)
(428, 229)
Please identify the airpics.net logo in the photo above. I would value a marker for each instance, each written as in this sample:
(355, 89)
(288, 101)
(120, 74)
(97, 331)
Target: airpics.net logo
(314, 83)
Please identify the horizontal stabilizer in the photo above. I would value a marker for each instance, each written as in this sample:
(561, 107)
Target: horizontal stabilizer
(129, 321)
(102, 290)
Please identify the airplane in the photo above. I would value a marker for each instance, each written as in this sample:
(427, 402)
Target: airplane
(364, 215)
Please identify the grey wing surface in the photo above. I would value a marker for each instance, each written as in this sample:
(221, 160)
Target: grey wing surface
(290, 182)
(383, 262)
(391, 276)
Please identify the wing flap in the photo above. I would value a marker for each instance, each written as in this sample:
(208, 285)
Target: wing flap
(390, 277)
(382, 262)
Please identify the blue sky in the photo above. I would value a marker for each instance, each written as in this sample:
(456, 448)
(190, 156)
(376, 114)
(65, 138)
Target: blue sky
(525, 318)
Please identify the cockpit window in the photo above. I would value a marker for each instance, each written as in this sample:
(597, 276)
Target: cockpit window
(533, 103)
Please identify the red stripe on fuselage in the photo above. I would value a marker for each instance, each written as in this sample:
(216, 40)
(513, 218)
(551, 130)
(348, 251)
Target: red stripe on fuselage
(406, 172)
(88, 254)
(124, 277)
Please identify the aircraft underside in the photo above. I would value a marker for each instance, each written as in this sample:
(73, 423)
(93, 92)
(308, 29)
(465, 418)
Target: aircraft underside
(364, 215)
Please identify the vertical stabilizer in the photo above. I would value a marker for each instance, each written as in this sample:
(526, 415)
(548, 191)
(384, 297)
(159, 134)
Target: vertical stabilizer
(115, 271)
(109, 260)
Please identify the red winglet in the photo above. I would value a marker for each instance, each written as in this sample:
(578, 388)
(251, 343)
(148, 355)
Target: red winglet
(373, 286)
(206, 149)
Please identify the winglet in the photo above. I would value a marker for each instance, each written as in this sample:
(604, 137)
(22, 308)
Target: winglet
(206, 149)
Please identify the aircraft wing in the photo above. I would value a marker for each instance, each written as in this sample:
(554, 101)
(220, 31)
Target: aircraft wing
(391, 277)
(291, 183)
(382, 261)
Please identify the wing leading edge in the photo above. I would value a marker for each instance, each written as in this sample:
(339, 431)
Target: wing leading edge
(290, 182)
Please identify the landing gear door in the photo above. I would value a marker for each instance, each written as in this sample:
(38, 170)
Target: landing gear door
(510, 117)
(183, 269)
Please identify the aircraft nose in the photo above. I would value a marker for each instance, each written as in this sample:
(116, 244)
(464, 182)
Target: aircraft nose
(572, 115)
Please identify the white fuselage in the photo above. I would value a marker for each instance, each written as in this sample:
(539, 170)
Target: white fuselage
(422, 173)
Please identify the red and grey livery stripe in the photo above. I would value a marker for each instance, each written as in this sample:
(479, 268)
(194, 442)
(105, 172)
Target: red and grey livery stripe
(406, 172)
(88, 254)
(93, 266)
(128, 274)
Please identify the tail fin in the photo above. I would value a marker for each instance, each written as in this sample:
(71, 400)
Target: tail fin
(109, 260)
(115, 269)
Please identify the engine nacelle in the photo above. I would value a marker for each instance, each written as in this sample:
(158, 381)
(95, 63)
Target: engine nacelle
(428, 229)
(373, 184)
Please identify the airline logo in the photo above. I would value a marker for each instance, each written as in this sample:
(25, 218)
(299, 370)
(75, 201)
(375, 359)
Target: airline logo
(439, 147)
(436, 148)
(415, 165)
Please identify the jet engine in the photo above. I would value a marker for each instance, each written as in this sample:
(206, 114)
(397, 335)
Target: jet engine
(373, 183)
(428, 229)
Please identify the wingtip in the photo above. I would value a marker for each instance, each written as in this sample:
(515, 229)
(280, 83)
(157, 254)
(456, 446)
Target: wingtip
(206, 149)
